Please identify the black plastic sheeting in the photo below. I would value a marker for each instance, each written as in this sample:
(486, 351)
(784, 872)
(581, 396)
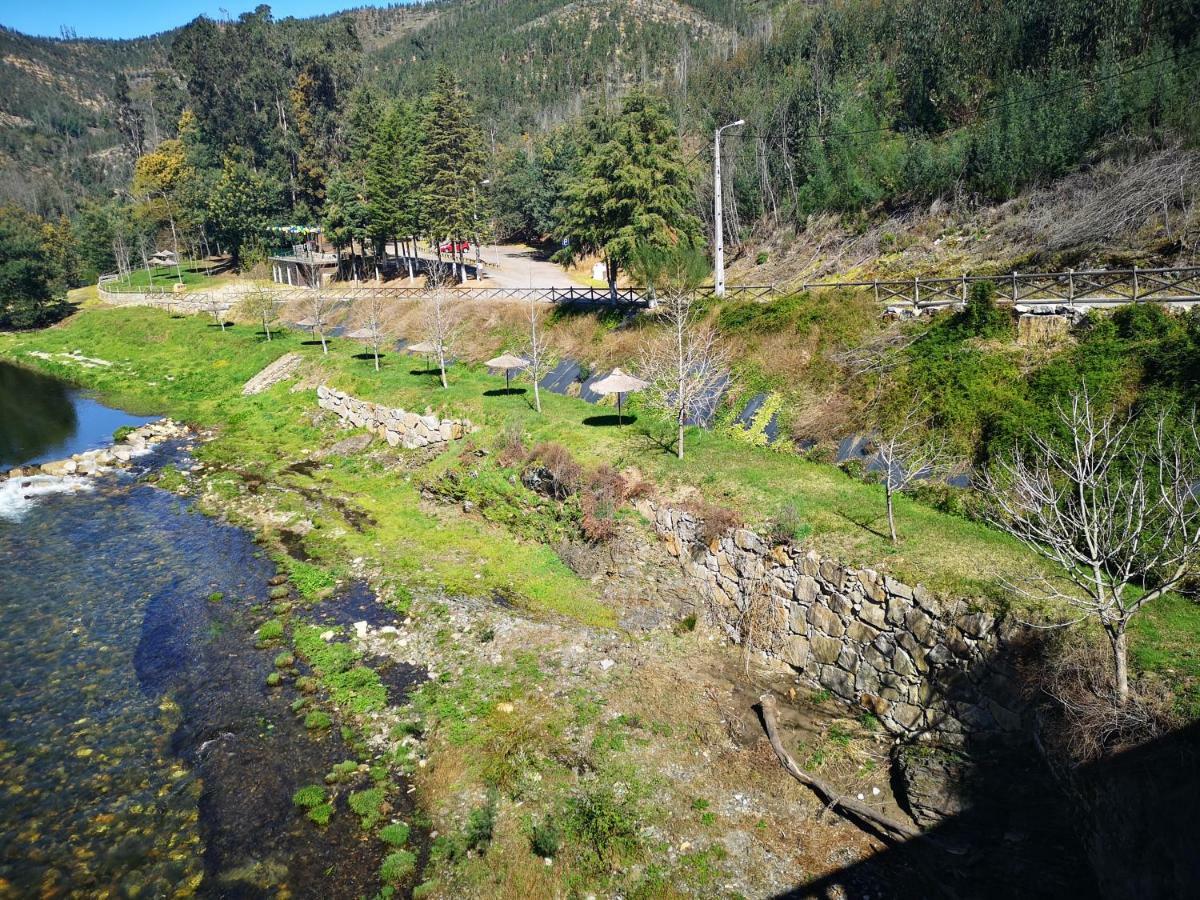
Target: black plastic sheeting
(560, 379)
(746, 417)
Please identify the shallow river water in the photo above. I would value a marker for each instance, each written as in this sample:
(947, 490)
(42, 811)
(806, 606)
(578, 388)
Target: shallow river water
(141, 753)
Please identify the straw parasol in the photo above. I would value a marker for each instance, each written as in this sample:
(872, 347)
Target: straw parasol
(619, 383)
(507, 362)
(423, 347)
(367, 334)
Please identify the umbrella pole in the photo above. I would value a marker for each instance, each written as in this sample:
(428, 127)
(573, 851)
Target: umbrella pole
(507, 383)
(619, 422)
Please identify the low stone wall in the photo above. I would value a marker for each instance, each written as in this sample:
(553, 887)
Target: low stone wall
(925, 667)
(397, 427)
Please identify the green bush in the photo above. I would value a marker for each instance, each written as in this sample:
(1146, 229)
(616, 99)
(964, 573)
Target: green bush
(982, 317)
(604, 819)
(317, 720)
(366, 805)
(397, 866)
(394, 835)
(122, 432)
(545, 839)
(321, 813)
(270, 630)
(480, 825)
(309, 796)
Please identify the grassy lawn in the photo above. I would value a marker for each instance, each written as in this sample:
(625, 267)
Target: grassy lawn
(190, 369)
(192, 274)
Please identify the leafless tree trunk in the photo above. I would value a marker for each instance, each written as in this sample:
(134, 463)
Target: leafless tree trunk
(908, 451)
(684, 365)
(1114, 511)
(376, 306)
(441, 317)
(319, 306)
(537, 352)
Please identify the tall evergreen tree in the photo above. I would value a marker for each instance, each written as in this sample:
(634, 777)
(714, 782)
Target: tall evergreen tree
(631, 187)
(455, 164)
(241, 205)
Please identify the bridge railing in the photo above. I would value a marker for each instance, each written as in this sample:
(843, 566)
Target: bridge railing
(1085, 287)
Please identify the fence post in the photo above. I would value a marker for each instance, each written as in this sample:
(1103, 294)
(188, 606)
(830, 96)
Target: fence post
(964, 288)
(1071, 287)
(916, 292)
(1135, 284)
(1014, 292)
(876, 283)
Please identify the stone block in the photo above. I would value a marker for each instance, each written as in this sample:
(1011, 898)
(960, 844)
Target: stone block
(810, 563)
(897, 588)
(807, 588)
(832, 574)
(826, 649)
(837, 681)
(897, 608)
(885, 645)
(795, 651)
(905, 715)
(747, 540)
(848, 658)
(976, 624)
(873, 615)
(840, 604)
(920, 625)
(861, 632)
(826, 620)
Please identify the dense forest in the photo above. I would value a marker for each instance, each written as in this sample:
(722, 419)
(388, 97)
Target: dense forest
(852, 107)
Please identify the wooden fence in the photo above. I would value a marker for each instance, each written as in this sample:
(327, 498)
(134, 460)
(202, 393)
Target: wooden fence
(623, 297)
(1084, 288)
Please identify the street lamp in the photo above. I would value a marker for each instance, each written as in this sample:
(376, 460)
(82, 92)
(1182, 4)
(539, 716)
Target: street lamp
(718, 225)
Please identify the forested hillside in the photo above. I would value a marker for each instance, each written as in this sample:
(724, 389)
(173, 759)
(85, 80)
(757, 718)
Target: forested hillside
(855, 108)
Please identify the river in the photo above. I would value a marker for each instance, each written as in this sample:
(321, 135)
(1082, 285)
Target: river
(141, 752)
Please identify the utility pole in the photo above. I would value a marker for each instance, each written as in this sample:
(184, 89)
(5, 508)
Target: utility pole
(718, 223)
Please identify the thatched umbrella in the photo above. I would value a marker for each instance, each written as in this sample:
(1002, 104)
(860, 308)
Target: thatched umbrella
(367, 334)
(619, 383)
(507, 362)
(425, 347)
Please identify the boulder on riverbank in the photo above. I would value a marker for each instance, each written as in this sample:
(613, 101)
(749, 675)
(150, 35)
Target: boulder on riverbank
(136, 442)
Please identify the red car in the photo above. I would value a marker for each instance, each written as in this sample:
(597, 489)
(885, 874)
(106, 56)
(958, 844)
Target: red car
(455, 247)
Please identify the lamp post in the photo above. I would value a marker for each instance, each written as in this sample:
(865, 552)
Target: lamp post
(718, 224)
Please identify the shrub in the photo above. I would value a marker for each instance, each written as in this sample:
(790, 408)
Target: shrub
(786, 525)
(566, 474)
(397, 866)
(317, 720)
(982, 318)
(270, 630)
(545, 839)
(714, 520)
(122, 432)
(309, 796)
(366, 805)
(394, 835)
(512, 450)
(605, 819)
(761, 257)
(321, 814)
(480, 825)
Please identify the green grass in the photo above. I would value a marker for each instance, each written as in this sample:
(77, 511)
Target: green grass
(192, 273)
(188, 369)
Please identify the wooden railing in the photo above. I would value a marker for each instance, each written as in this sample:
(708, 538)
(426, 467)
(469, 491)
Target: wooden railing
(1084, 288)
(628, 297)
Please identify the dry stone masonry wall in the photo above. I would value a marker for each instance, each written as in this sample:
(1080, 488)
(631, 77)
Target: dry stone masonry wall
(397, 427)
(925, 667)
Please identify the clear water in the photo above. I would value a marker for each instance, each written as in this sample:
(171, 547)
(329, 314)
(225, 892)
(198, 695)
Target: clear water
(141, 752)
(43, 419)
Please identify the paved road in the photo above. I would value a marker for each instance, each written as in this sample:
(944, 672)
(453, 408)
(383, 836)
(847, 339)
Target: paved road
(519, 267)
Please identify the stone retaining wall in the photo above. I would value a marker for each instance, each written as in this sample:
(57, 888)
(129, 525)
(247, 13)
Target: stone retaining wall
(397, 427)
(925, 667)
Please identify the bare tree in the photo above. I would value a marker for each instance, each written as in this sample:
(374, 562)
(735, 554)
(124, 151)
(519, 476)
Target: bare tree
(441, 316)
(259, 304)
(685, 364)
(121, 254)
(908, 451)
(1115, 511)
(376, 306)
(537, 351)
(319, 307)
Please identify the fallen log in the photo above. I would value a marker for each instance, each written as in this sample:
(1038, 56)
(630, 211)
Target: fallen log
(881, 824)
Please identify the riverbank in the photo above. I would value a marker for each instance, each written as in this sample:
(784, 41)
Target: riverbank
(630, 761)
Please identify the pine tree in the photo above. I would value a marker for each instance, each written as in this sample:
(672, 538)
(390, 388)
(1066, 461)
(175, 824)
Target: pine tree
(393, 176)
(454, 163)
(631, 187)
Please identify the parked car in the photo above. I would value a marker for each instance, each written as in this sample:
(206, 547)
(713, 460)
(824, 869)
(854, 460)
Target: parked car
(455, 247)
